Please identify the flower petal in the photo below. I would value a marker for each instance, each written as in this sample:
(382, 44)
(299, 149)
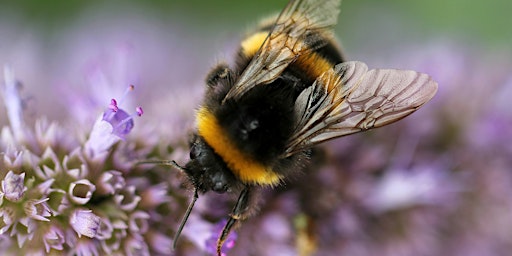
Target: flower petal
(135, 245)
(127, 199)
(80, 191)
(37, 209)
(7, 218)
(110, 182)
(101, 138)
(138, 222)
(53, 239)
(85, 223)
(13, 186)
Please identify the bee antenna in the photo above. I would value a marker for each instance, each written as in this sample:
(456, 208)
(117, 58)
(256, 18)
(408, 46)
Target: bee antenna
(164, 162)
(185, 218)
(190, 206)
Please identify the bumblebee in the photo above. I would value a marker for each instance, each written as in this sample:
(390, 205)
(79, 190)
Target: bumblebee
(289, 90)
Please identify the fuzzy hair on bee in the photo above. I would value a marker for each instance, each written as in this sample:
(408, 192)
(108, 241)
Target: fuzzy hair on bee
(289, 90)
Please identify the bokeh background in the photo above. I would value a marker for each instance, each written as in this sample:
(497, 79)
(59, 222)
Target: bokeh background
(48, 42)
(437, 183)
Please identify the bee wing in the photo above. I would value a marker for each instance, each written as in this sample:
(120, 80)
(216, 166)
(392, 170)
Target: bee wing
(285, 41)
(349, 98)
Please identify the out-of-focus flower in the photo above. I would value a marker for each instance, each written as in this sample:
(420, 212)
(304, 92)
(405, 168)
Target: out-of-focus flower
(211, 243)
(53, 239)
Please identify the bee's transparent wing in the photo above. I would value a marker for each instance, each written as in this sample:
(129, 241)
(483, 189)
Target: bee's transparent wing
(286, 41)
(349, 98)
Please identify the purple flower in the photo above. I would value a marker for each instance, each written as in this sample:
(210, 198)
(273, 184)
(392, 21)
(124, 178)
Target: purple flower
(13, 187)
(53, 239)
(160, 243)
(80, 191)
(85, 223)
(138, 222)
(111, 182)
(105, 229)
(86, 248)
(135, 246)
(114, 125)
(399, 189)
(211, 243)
(48, 175)
(23, 230)
(38, 209)
(13, 103)
(7, 218)
(127, 199)
(155, 195)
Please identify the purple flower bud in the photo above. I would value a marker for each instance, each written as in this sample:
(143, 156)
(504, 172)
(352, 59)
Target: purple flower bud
(50, 165)
(7, 218)
(37, 209)
(127, 199)
(45, 187)
(85, 223)
(23, 229)
(110, 182)
(154, 196)
(53, 239)
(58, 202)
(80, 191)
(74, 164)
(105, 230)
(13, 186)
(86, 248)
(12, 158)
(113, 243)
(159, 242)
(138, 222)
(135, 246)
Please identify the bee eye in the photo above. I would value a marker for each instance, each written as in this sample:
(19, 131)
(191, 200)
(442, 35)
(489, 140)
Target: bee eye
(193, 152)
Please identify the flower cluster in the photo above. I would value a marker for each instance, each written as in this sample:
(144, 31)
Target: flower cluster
(60, 194)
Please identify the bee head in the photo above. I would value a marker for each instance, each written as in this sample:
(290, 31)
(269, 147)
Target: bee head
(206, 170)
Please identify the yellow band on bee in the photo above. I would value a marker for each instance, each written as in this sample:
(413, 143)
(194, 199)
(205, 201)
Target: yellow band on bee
(312, 63)
(252, 44)
(243, 166)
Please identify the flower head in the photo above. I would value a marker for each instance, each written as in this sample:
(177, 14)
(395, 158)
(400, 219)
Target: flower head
(112, 126)
(67, 196)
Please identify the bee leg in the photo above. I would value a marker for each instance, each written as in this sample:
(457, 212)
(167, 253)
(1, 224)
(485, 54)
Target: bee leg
(236, 214)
